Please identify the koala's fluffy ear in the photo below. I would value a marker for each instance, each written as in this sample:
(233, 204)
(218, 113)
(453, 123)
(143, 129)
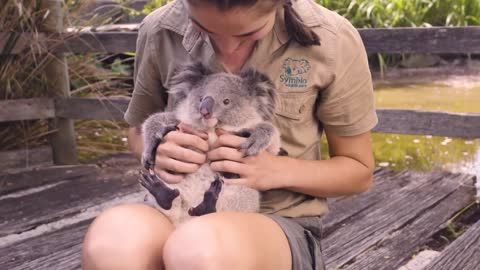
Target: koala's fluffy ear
(185, 77)
(261, 87)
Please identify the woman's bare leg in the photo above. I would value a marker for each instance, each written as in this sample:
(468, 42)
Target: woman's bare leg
(234, 241)
(129, 236)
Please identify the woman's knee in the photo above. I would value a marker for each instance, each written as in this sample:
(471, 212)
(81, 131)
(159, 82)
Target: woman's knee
(194, 245)
(131, 232)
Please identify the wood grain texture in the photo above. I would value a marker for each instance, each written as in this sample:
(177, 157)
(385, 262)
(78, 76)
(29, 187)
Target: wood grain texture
(400, 246)
(26, 109)
(398, 209)
(378, 40)
(463, 253)
(422, 40)
(24, 159)
(92, 108)
(57, 250)
(428, 123)
(33, 178)
(65, 199)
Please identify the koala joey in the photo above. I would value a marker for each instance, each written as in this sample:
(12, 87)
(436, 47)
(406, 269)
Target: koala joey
(242, 104)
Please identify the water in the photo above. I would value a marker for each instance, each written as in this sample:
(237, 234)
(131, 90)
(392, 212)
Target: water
(453, 94)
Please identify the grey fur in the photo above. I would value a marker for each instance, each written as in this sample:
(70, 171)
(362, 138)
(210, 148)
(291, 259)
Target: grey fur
(240, 104)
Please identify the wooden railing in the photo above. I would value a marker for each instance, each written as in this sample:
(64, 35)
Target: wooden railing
(397, 40)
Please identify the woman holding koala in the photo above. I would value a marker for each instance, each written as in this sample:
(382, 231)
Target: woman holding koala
(318, 64)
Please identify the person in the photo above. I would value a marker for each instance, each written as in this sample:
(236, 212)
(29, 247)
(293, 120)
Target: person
(319, 66)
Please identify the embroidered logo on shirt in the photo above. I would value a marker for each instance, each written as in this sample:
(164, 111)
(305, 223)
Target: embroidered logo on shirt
(293, 72)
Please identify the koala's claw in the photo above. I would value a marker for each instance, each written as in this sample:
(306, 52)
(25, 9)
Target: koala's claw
(209, 203)
(160, 191)
(255, 143)
(148, 158)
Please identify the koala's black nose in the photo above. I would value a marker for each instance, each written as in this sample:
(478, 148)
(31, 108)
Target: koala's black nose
(206, 107)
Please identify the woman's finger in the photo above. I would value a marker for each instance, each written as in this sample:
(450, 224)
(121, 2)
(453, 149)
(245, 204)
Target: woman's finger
(229, 166)
(180, 153)
(225, 153)
(166, 163)
(228, 140)
(187, 140)
(168, 177)
(187, 129)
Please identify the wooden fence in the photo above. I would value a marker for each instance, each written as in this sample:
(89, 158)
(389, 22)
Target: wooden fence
(398, 40)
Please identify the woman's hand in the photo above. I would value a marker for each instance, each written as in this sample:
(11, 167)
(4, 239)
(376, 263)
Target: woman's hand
(175, 156)
(256, 171)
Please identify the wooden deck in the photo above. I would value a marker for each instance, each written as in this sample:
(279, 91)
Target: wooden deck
(44, 214)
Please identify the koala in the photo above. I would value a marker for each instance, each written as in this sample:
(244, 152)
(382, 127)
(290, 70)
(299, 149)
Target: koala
(242, 104)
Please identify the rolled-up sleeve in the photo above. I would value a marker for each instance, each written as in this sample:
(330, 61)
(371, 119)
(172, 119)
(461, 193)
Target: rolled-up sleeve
(347, 105)
(148, 90)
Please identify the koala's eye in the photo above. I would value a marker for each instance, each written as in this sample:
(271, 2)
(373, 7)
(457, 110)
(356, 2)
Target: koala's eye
(226, 101)
(201, 99)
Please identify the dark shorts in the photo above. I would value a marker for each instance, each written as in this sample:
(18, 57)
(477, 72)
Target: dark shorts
(304, 236)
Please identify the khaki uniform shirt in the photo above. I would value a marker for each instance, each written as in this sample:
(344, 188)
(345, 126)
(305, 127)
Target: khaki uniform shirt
(320, 87)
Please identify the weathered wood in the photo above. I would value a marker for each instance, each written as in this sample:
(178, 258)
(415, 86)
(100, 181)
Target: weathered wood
(398, 247)
(398, 209)
(92, 108)
(56, 70)
(398, 121)
(343, 210)
(463, 253)
(33, 178)
(64, 199)
(57, 250)
(26, 109)
(422, 40)
(108, 42)
(25, 158)
(428, 123)
(385, 40)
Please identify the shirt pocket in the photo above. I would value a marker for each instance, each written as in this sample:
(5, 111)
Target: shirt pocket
(298, 105)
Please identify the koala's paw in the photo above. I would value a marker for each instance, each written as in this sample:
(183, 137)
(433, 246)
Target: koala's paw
(257, 140)
(160, 191)
(148, 156)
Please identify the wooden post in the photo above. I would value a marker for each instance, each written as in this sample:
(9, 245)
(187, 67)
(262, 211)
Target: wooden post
(63, 140)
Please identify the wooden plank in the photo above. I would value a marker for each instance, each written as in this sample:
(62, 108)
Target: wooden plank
(428, 123)
(398, 248)
(64, 199)
(344, 210)
(26, 109)
(463, 253)
(33, 178)
(422, 40)
(92, 108)
(56, 250)
(62, 140)
(25, 158)
(389, 40)
(398, 209)
(107, 42)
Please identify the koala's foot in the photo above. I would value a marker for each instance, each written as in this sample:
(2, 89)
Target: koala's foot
(160, 191)
(148, 158)
(258, 138)
(209, 203)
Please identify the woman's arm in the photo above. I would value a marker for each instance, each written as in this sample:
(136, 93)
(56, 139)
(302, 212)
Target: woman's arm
(349, 171)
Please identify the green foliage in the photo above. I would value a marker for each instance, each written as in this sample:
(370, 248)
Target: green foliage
(406, 13)
(152, 5)
(394, 13)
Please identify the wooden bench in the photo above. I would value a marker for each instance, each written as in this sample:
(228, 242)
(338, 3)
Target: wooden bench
(45, 211)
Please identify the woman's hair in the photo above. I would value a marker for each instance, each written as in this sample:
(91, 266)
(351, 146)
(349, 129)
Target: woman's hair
(294, 24)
